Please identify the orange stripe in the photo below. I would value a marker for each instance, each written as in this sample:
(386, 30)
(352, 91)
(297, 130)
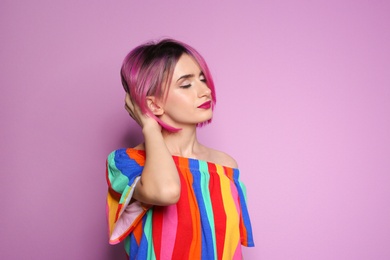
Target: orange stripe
(244, 233)
(229, 172)
(136, 155)
(138, 232)
(195, 248)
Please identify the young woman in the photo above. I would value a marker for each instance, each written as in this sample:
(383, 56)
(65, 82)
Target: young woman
(171, 197)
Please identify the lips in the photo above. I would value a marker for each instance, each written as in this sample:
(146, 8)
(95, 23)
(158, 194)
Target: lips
(205, 105)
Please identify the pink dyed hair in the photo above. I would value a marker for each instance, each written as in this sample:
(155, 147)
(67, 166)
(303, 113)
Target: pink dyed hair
(148, 68)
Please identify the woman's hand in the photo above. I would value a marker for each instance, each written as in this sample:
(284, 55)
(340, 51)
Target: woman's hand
(135, 112)
(160, 182)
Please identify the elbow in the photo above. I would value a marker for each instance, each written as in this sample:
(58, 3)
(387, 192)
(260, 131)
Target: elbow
(168, 195)
(158, 195)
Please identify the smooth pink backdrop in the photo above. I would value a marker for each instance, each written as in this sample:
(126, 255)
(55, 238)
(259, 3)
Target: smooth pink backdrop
(303, 92)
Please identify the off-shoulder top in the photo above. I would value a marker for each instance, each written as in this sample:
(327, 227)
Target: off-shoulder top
(210, 220)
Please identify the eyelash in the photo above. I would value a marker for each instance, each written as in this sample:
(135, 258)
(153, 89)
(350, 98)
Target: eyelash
(189, 85)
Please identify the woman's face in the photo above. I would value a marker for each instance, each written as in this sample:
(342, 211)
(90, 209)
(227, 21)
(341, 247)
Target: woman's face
(188, 101)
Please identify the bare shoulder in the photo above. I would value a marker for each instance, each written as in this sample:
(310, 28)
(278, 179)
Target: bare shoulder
(140, 146)
(221, 158)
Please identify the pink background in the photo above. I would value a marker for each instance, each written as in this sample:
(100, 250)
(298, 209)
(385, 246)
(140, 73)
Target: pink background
(303, 92)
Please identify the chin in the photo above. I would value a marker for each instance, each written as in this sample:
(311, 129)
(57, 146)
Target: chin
(205, 122)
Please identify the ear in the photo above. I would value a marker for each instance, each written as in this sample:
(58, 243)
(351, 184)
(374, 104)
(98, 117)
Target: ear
(154, 106)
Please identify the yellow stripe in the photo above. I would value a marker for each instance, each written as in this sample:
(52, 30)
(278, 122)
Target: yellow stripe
(113, 206)
(232, 228)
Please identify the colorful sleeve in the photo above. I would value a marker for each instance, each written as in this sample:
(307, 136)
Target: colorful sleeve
(123, 213)
(245, 222)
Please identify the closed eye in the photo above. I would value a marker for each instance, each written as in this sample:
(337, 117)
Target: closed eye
(202, 77)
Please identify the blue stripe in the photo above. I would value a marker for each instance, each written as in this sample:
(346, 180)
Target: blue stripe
(133, 246)
(207, 238)
(143, 247)
(127, 166)
(244, 208)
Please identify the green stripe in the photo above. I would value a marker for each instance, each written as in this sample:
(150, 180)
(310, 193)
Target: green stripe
(117, 180)
(243, 188)
(148, 233)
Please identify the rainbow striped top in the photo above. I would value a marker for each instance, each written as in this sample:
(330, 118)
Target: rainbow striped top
(210, 220)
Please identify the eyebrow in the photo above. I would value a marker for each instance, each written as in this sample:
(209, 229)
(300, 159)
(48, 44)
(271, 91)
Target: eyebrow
(187, 76)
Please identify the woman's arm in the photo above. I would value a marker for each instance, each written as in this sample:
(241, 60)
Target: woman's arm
(159, 183)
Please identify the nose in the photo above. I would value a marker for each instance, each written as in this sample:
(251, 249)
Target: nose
(204, 90)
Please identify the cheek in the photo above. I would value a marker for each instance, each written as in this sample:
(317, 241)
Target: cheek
(180, 98)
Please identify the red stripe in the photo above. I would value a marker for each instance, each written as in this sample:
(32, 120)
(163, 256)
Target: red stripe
(218, 209)
(157, 223)
(184, 225)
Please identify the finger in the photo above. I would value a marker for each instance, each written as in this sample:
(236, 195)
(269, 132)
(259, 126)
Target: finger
(128, 103)
(128, 99)
(130, 113)
(127, 108)
(127, 96)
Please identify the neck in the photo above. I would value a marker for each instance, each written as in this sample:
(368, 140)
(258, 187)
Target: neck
(183, 143)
